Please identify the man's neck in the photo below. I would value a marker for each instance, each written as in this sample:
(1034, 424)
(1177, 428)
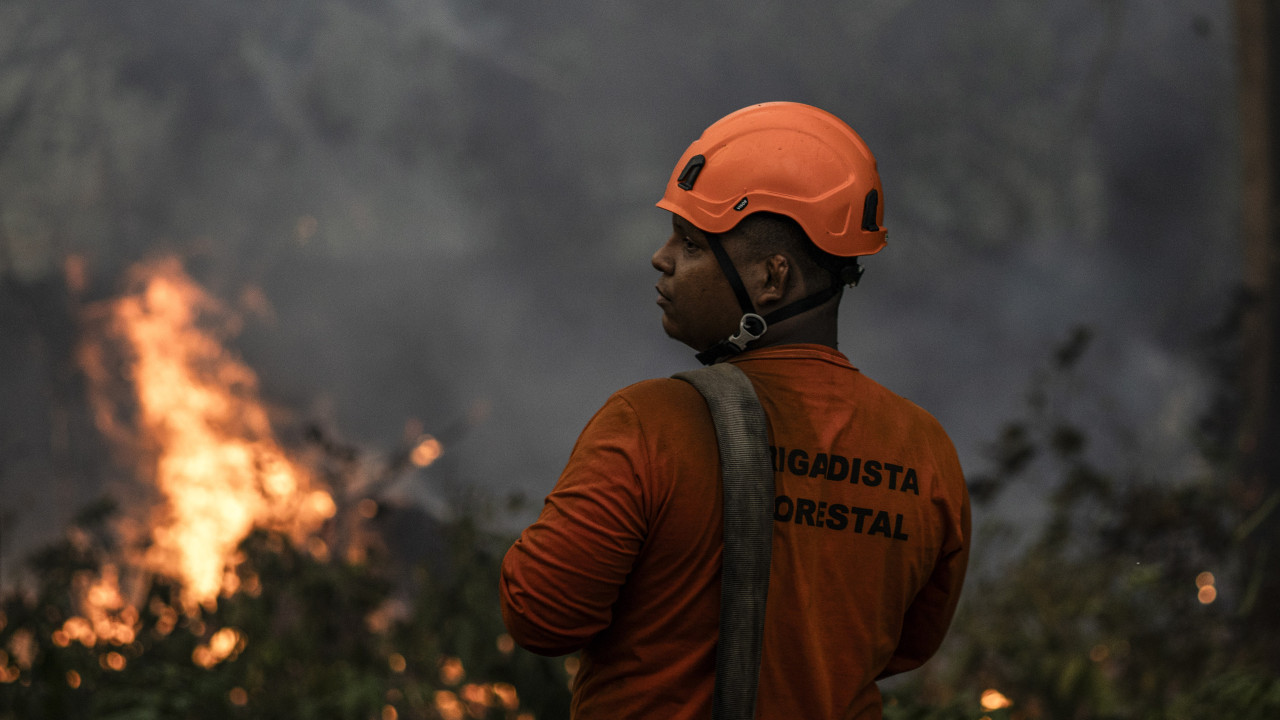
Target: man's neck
(801, 330)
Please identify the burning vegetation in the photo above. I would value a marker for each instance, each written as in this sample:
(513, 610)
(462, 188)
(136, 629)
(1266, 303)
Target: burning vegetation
(199, 431)
(218, 593)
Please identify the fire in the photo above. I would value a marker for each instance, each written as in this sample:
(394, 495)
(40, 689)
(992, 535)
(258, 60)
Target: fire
(475, 700)
(106, 617)
(427, 451)
(225, 644)
(993, 699)
(206, 438)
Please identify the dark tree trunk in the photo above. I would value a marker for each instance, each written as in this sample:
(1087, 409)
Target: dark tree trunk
(1258, 23)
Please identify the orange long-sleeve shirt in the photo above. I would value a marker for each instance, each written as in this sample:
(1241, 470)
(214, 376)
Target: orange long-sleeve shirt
(870, 546)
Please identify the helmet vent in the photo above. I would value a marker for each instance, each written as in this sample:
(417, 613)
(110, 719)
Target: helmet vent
(869, 211)
(690, 172)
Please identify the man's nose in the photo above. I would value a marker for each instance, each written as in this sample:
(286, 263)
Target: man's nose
(661, 261)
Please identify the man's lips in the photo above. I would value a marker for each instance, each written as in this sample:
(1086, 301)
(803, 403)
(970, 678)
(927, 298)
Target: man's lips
(662, 297)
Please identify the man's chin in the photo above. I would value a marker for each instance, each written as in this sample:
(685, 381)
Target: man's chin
(673, 331)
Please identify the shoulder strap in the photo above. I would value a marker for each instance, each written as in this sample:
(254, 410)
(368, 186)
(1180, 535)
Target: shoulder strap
(743, 437)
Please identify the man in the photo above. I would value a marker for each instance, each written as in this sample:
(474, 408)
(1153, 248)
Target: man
(771, 208)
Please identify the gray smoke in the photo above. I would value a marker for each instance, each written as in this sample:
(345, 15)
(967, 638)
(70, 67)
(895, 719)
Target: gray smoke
(449, 204)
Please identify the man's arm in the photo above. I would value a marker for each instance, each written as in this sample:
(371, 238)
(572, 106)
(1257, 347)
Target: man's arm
(927, 620)
(562, 576)
(929, 615)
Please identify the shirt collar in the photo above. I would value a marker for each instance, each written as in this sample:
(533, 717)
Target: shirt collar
(799, 351)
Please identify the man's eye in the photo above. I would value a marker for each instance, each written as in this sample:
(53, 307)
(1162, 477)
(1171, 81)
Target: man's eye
(690, 245)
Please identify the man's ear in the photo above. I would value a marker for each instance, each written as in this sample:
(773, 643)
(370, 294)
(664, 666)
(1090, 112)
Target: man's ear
(778, 278)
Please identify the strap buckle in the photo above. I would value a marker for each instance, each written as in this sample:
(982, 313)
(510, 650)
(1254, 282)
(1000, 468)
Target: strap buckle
(750, 328)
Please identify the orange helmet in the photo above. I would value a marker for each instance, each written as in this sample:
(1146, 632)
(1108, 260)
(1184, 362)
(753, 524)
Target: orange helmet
(785, 158)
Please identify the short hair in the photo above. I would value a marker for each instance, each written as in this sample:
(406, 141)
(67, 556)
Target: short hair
(766, 233)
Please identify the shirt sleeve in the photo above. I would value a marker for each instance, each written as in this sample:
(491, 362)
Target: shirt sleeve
(929, 615)
(562, 576)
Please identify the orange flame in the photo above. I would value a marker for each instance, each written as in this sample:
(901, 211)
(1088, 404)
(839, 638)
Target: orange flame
(106, 616)
(427, 451)
(212, 450)
(993, 699)
(225, 644)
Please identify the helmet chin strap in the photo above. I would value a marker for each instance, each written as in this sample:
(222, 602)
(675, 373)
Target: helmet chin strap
(752, 326)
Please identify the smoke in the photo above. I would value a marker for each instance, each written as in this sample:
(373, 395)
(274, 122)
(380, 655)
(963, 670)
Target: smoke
(429, 206)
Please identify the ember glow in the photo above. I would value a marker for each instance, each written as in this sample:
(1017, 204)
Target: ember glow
(105, 615)
(993, 699)
(225, 644)
(202, 433)
(427, 451)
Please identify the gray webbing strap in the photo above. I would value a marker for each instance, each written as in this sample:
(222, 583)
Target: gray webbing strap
(743, 437)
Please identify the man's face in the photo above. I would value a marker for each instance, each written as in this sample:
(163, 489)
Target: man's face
(698, 305)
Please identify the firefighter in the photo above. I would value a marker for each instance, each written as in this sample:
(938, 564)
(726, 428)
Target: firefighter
(770, 210)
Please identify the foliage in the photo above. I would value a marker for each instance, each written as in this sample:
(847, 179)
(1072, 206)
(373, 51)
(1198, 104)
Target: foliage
(1123, 603)
(1239, 694)
(910, 706)
(318, 638)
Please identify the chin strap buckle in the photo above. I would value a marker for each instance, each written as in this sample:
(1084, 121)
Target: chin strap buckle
(750, 329)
